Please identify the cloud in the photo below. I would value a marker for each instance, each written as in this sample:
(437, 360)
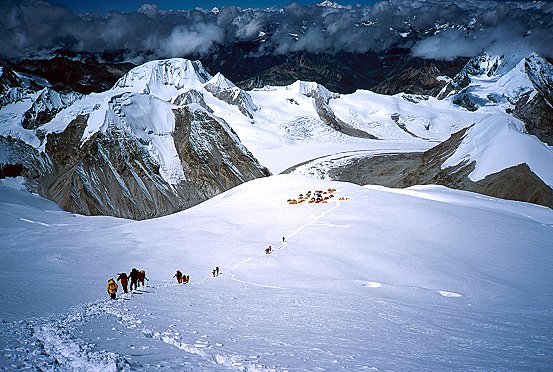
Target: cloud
(186, 40)
(437, 29)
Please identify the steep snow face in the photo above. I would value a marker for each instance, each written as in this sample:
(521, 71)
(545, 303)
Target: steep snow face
(220, 81)
(502, 84)
(402, 116)
(164, 78)
(353, 282)
(151, 121)
(499, 142)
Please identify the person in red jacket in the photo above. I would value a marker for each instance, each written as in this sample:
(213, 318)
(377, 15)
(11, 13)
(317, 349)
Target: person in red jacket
(142, 277)
(124, 279)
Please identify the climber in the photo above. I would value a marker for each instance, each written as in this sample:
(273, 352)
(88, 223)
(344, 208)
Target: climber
(142, 277)
(178, 275)
(124, 279)
(134, 278)
(112, 288)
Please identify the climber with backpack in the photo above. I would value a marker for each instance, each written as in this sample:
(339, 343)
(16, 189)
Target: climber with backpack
(178, 275)
(133, 276)
(124, 279)
(112, 288)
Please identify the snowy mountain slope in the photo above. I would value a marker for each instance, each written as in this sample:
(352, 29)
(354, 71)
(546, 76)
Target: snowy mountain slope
(164, 78)
(492, 157)
(491, 80)
(138, 114)
(116, 153)
(517, 84)
(281, 127)
(428, 271)
(499, 142)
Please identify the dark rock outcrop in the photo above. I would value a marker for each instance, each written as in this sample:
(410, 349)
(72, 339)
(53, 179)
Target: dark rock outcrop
(46, 106)
(69, 74)
(537, 113)
(236, 97)
(405, 170)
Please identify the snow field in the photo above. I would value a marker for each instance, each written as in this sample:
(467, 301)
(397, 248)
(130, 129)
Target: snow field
(423, 278)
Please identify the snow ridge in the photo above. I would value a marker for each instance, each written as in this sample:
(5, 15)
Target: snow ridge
(158, 77)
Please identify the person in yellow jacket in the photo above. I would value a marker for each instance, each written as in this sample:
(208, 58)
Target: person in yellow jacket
(112, 288)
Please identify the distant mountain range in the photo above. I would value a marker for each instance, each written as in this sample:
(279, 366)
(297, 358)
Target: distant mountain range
(168, 135)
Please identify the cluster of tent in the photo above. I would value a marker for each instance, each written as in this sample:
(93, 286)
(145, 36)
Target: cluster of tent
(317, 196)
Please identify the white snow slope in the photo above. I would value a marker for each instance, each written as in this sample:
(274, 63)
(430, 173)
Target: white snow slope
(425, 278)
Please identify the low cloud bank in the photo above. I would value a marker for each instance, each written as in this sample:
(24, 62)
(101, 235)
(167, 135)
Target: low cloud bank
(431, 28)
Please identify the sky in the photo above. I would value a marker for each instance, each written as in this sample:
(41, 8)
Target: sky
(129, 5)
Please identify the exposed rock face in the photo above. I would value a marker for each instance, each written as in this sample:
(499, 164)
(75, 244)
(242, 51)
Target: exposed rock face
(418, 76)
(390, 72)
(46, 106)
(192, 96)
(211, 153)
(234, 96)
(113, 174)
(66, 73)
(537, 112)
(147, 147)
(23, 159)
(479, 65)
(405, 170)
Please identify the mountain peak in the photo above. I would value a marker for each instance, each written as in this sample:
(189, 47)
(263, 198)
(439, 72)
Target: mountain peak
(219, 80)
(164, 78)
(309, 89)
(330, 4)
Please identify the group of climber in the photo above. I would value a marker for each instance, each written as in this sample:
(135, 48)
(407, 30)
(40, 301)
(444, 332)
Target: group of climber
(215, 271)
(182, 278)
(136, 277)
(269, 249)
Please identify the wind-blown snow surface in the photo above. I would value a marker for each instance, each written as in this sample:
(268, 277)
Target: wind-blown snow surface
(425, 278)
